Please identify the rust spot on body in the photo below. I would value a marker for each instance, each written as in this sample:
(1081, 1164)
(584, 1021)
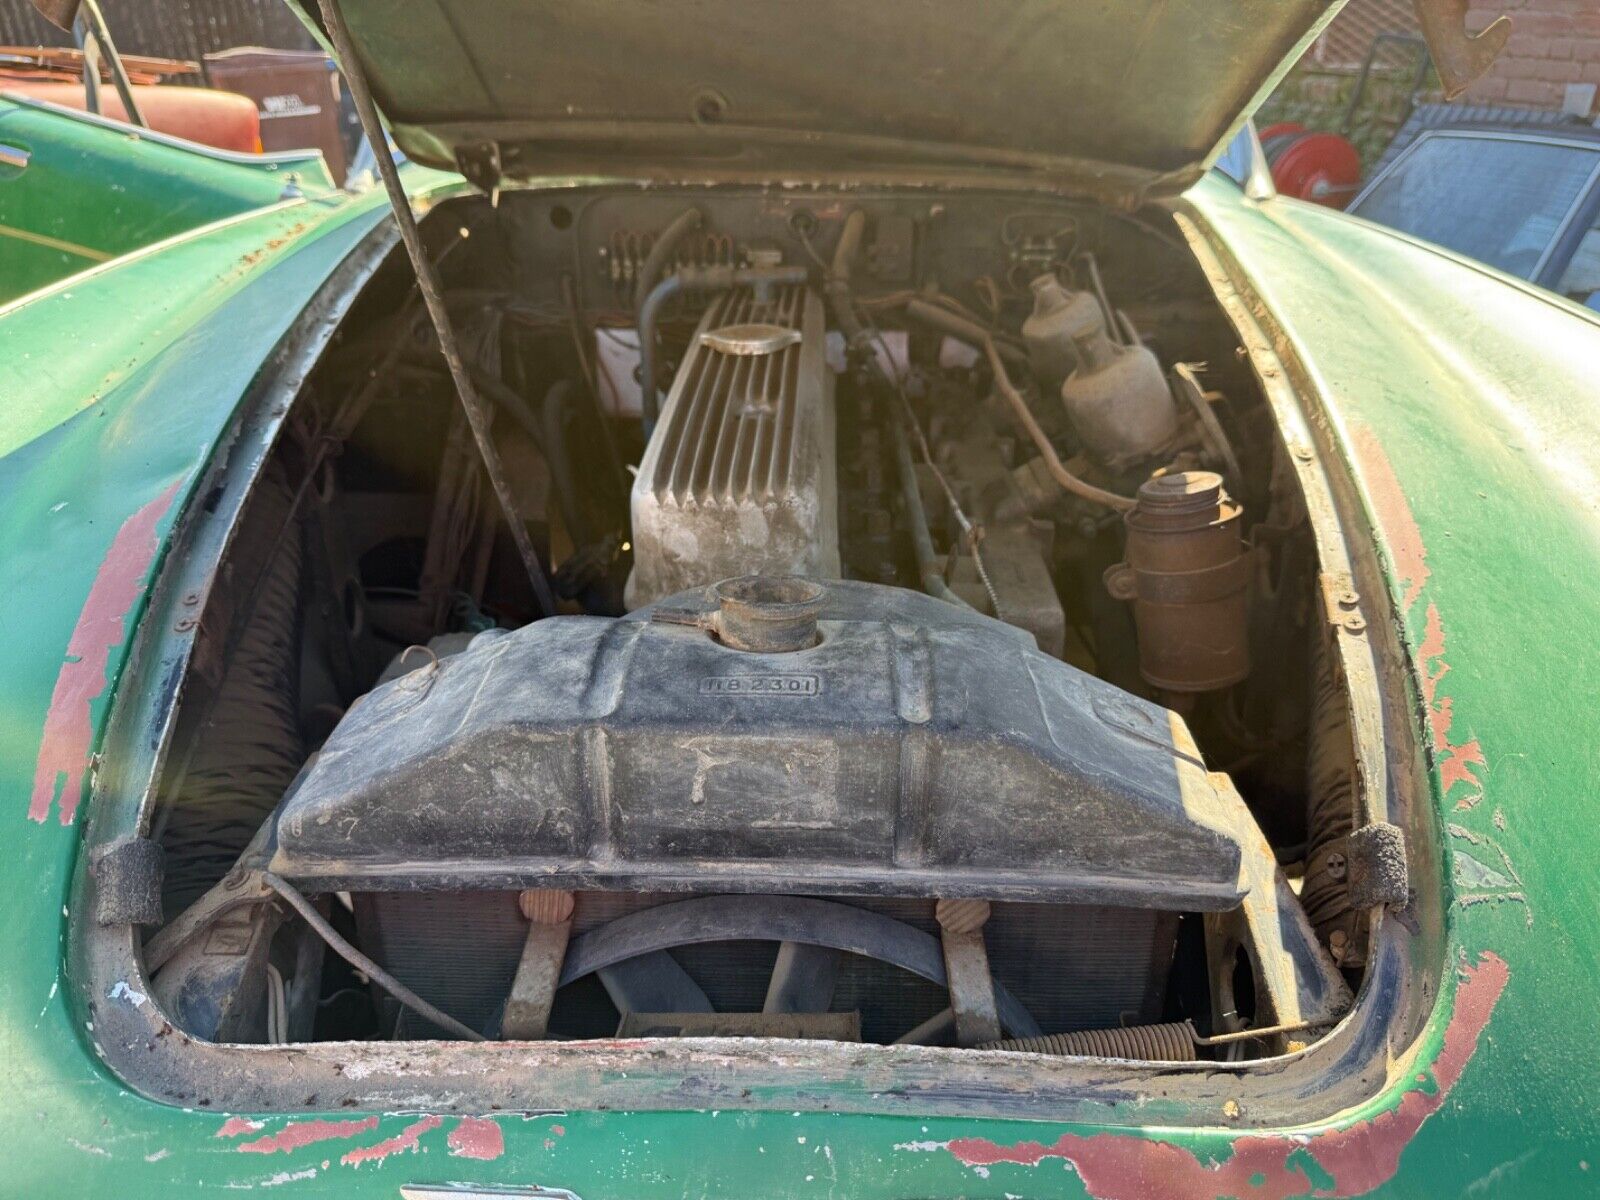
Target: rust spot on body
(299, 1134)
(476, 1137)
(1453, 760)
(1394, 514)
(1358, 1157)
(403, 1142)
(68, 730)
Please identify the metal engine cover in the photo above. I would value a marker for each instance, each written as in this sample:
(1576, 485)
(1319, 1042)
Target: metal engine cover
(917, 749)
(738, 477)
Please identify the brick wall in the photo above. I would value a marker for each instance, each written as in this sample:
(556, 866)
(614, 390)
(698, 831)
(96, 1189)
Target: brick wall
(1553, 43)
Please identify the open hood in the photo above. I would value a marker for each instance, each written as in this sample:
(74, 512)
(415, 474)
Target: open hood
(1112, 98)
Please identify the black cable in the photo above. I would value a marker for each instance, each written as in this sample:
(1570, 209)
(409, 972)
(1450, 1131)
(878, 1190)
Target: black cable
(365, 965)
(433, 296)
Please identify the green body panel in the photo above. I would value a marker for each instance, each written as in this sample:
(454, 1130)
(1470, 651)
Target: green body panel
(94, 189)
(1467, 409)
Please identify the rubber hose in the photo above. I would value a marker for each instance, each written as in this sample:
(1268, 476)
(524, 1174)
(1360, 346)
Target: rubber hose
(649, 398)
(933, 581)
(552, 415)
(962, 329)
(661, 252)
(838, 282)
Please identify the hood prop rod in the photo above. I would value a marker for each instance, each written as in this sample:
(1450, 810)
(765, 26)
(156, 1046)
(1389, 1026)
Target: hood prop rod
(433, 297)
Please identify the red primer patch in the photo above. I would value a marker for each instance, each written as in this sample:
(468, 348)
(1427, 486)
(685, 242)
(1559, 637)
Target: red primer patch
(1394, 515)
(559, 1130)
(476, 1137)
(68, 731)
(1454, 760)
(1358, 1157)
(403, 1142)
(298, 1134)
(238, 1127)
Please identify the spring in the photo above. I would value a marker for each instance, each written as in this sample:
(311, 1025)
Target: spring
(1172, 1042)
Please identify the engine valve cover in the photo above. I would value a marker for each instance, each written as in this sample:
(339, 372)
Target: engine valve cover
(739, 475)
(916, 749)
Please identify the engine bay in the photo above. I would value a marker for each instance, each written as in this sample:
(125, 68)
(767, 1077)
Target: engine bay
(921, 643)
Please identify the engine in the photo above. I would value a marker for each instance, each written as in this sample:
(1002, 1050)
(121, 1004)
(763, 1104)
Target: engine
(894, 738)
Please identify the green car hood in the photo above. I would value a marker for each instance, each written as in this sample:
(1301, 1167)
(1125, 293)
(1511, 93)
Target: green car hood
(1102, 97)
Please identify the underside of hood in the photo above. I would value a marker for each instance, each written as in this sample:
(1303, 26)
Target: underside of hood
(1114, 98)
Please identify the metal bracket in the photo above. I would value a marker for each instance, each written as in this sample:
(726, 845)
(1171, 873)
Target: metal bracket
(1341, 602)
(533, 991)
(1461, 57)
(967, 974)
(480, 163)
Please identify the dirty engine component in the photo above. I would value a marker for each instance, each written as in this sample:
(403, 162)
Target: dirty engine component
(1117, 397)
(917, 749)
(1187, 574)
(739, 476)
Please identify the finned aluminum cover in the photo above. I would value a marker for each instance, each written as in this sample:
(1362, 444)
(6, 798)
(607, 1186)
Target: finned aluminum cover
(739, 477)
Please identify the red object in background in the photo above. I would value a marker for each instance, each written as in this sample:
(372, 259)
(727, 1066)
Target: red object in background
(221, 119)
(1321, 167)
(212, 118)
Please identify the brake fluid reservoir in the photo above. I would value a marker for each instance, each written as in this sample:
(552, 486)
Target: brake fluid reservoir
(1058, 316)
(1118, 400)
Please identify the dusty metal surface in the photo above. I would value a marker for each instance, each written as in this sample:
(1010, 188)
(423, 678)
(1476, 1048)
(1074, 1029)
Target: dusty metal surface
(818, 1026)
(1187, 575)
(967, 973)
(932, 89)
(739, 477)
(533, 991)
(646, 755)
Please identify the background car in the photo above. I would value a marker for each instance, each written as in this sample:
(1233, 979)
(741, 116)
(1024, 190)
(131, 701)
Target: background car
(1524, 200)
(77, 189)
